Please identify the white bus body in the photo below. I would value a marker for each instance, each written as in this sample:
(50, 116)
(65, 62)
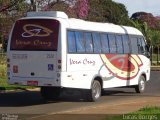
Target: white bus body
(50, 50)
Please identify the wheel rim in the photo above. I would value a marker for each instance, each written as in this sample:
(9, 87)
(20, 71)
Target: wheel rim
(142, 85)
(96, 90)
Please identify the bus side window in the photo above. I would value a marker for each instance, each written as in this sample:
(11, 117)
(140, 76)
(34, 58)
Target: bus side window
(105, 44)
(143, 48)
(119, 44)
(96, 42)
(80, 43)
(112, 43)
(71, 42)
(89, 43)
(126, 44)
(134, 45)
(139, 46)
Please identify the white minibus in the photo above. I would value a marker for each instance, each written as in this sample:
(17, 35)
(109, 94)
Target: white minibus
(52, 51)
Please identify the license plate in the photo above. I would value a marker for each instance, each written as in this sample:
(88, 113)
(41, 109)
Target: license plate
(32, 83)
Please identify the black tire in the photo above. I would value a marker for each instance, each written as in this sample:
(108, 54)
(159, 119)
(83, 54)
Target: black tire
(103, 92)
(95, 92)
(140, 88)
(50, 93)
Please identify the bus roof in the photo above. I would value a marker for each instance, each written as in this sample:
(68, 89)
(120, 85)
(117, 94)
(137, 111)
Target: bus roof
(102, 27)
(80, 24)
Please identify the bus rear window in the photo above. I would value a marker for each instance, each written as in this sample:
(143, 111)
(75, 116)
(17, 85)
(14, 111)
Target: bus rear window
(35, 35)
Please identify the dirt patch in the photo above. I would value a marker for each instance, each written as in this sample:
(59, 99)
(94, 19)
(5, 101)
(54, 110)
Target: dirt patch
(101, 111)
(121, 107)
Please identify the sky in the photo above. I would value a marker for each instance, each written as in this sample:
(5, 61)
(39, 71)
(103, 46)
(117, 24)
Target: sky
(150, 6)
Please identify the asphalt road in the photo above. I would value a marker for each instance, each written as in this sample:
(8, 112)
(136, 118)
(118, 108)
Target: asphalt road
(29, 103)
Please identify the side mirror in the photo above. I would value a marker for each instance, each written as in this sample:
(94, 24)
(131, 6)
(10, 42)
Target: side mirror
(147, 52)
(147, 48)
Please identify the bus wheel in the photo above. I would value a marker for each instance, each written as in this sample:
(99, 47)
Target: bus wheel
(140, 88)
(95, 92)
(50, 93)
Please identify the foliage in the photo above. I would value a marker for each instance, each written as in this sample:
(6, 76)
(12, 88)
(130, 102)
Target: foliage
(148, 25)
(155, 37)
(10, 10)
(115, 12)
(108, 11)
(94, 10)
(143, 27)
(3, 66)
(9, 5)
(148, 18)
(82, 8)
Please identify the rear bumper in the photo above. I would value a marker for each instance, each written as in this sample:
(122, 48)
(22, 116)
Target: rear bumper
(34, 81)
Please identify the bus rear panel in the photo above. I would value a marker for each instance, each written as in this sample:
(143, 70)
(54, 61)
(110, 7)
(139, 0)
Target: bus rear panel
(33, 52)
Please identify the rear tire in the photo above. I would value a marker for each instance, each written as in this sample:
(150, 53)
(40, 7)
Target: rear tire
(103, 92)
(140, 88)
(50, 93)
(95, 92)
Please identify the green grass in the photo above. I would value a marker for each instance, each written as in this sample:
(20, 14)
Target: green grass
(149, 110)
(5, 86)
(147, 113)
(3, 66)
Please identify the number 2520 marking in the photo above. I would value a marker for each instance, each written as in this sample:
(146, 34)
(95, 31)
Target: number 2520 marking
(50, 55)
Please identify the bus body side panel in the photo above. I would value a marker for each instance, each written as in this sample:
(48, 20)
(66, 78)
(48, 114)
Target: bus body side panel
(146, 67)
(115, 70)
(124, 70)
(81, 68)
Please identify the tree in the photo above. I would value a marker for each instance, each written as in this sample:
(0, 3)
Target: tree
(151, 21)
(82, 9)
(10, 10)
(108, 11)
(8, 5)
(115, 12)
(93, 10)
(155, 37)
(148, 25)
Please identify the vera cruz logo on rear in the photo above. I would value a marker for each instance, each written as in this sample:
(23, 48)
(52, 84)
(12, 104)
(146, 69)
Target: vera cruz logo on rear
(31, 30)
